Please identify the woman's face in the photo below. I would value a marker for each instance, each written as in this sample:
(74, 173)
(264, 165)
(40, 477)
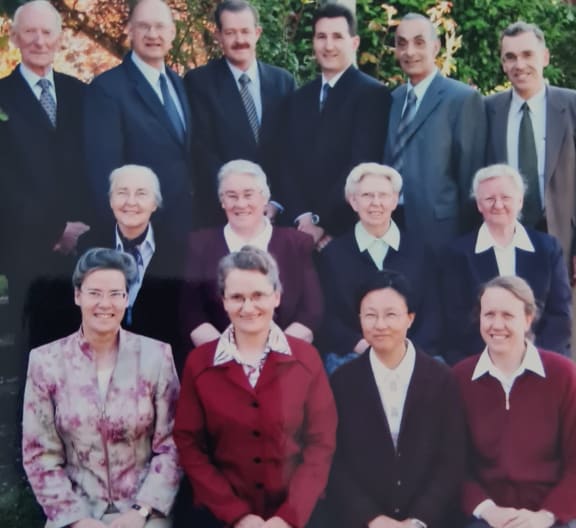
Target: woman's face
(242, 201)
(102, 299)
(374, 200)
(499, 201)
(250, 301)
(503, 321)
(385, 320)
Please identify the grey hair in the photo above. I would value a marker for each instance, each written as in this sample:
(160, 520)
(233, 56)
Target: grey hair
(116, 173)
(419, 16)
(105, 259)
(241, 166)
(249, 258)
(520, 27)
(376, 169)
(499, 170)
(45, 3)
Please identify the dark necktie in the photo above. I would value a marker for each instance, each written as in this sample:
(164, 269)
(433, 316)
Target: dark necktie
(171, 110)
(403, 131)
(47, 101)
(249, 105)
(528, 165)
(324, 95)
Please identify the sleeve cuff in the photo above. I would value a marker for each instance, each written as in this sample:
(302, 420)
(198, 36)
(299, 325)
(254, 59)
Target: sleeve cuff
(481, 507)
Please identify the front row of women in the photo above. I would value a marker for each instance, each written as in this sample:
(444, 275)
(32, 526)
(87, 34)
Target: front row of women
(265, 441)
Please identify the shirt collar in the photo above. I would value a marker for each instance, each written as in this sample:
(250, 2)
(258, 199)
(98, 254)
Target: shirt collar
(403, 370)
(531, 361)
(226, 349)
(520, 240)
(332, 82)
(252, 71)
(422, 86)
(152, 74)
(32, 78)
(261, 240)
(148, 241)
(534, 102)
(365, 239)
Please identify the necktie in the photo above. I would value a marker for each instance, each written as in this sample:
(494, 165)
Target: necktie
(171, 110)
(528, 165)
(324, 95)
(47, 101)
(403, 129)
(249, 105)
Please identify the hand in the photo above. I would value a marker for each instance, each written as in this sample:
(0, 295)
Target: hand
(323, 242)
(300, 331)
(88, 523)
(204, 333)
(271, 211)
(382, 521)
(306, 225)
(69, 238)
(361, 346)
(498, 517)
(530, 519)
(250, 521)
(276, 522)
(129, 519)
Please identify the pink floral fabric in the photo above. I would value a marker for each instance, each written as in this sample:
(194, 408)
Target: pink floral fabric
(83, 453)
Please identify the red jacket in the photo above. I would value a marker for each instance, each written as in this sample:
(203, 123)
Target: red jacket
(266, 450)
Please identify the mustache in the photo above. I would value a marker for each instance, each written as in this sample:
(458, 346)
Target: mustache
(240, 46)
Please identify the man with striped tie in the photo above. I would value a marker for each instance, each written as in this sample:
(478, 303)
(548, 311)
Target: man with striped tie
(436, 139)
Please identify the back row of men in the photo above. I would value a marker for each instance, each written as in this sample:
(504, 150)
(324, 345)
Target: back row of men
(61, 139)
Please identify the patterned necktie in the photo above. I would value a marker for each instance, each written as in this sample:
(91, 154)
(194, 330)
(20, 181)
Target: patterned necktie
(47, 101)
(403, 129)
(171, 110)
(324, 95)
(528, 165)
(248, 101)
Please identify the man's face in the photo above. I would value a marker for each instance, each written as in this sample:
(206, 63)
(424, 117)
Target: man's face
(151, 31)
(238, 37)
(416, 49)
(523, 60)
(37, 35)
(334, 47)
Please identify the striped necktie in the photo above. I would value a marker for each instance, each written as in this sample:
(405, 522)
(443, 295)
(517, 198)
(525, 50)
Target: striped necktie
(248, 101)
(47, 101)
(403, 131)
(171, 110)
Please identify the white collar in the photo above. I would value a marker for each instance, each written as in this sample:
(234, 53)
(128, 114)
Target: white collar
(148, 240)
(32, 78)
(332, 82)
(152, 74)
(531, 361)
(252, 71)
(261, 240)
(422, 86)
(520, 240)
(365, 239)
(226, 349)
(535, 101)
(403, 370)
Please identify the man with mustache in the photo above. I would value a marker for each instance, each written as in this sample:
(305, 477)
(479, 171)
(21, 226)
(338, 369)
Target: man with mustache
(234, 101)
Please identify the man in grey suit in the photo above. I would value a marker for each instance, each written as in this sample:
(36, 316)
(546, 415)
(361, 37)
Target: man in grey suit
(548, 162)
(436, 139)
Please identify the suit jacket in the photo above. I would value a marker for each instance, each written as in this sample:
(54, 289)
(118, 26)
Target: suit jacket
(318, 149)
(560, 162)
(222, 129)
(464, 272)
(301, 298)
(419, 479)
(126, 123)
(343, 269)
(445, 148)
(81, 451)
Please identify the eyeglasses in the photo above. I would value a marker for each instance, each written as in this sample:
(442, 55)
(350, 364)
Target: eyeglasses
(139, 195)
(370, 197)
(144, 27)
(238, 300)
(371, 318)
(115, 296)
(247, 196)
(490, 201)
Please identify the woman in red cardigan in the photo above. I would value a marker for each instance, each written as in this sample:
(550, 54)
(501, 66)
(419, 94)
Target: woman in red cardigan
(521, 411)
(256, 420)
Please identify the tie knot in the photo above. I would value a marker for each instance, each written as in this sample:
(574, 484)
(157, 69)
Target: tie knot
(410, 97)
(44, 84)
(525, 107)
(244, 80)
(325, 90)
(162, 80)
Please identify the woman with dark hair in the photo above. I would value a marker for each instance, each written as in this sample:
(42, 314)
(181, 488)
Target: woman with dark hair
(98, 412)
(520, 405)
(400, 456)
(255, 422)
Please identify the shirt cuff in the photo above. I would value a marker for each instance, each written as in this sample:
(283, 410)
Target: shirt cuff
(315, 218)
(481, 507)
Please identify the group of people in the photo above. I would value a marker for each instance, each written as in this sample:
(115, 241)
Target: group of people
(234, 240)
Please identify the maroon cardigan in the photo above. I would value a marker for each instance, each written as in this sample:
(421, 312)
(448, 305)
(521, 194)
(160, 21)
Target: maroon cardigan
(265, 450)
(301, 299)
(524, 457)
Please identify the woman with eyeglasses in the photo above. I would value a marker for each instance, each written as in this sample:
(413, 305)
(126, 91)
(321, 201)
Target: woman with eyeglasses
(400, 452)
(255, 421)
(98, 412)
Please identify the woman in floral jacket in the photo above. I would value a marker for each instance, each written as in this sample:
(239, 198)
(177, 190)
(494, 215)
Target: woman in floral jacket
(98, 412)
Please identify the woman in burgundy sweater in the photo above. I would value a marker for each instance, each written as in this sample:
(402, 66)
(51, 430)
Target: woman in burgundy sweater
(521, 411)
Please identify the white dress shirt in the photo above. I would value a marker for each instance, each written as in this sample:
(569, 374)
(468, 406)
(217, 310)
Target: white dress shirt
(377, 246)
(393, 386)
(537, 106)
(332, 82)
(261, 240)
(32, 79)
(419, 90)
(505, 255)
(253, 85)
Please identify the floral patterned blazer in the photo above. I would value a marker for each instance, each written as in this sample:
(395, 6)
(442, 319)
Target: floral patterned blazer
(83, 453)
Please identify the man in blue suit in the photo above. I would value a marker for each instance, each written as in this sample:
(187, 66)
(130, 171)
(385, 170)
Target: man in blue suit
(137, 113)
(234, 102)
(436, 139)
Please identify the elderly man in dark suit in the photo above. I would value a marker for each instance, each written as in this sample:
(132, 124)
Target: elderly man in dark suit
(234, 102)
(436, 139)
(44, 199)
(331, 124)
(138, 113)
(532, 127)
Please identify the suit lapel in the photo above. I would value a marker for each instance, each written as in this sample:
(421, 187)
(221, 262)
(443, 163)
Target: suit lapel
(555, 131)
(499, 129)
(484, 264)
(432, 98)
(398, 98)
(27, 103)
